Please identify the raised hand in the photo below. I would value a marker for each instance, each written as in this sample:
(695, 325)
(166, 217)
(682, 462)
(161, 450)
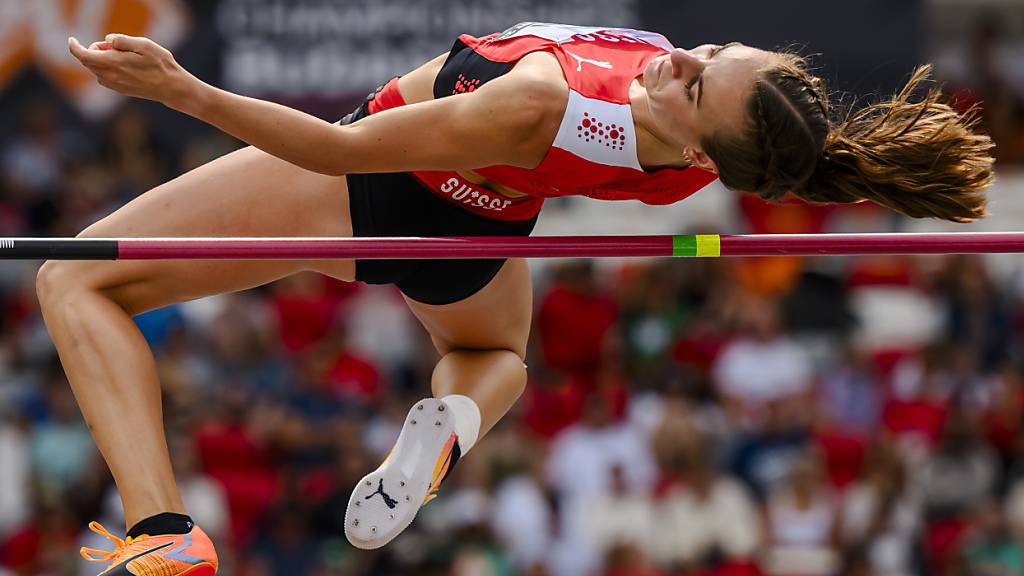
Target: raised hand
(137, 67)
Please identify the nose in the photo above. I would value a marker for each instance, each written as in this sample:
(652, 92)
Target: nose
(686, 64)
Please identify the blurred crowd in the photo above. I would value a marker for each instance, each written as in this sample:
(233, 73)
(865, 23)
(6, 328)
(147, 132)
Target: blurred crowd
(783, 416)
(991, 80)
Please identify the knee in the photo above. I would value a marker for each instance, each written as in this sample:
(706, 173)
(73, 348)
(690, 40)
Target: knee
(509, 337)
(516, 359)
(508, 360)
(59, 281)
(480, 365)
(515, 364)
(51, 282)
(510, 365)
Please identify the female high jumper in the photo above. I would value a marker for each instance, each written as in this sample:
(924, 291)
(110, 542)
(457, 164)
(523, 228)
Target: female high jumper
(470, 143)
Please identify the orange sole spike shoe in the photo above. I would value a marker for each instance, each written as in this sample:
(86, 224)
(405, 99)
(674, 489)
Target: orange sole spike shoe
(189, 554)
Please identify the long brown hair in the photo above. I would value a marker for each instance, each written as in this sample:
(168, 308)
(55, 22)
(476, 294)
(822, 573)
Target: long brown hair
(915, 155)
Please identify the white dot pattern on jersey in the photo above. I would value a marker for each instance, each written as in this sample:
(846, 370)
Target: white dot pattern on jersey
(598, 131)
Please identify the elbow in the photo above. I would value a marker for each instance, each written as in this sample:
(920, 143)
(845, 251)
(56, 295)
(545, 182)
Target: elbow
(332, 154)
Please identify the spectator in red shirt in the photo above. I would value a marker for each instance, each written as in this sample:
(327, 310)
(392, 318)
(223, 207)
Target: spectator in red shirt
(574, 319)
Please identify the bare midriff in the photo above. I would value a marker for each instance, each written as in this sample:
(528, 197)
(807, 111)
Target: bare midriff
(418, 86)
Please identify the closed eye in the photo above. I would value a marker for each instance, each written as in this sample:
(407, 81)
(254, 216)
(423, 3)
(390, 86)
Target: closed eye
(689, 85)
(699, 80)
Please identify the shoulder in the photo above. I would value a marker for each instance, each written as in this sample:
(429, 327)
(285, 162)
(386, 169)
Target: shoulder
(538, 87)
(520, 111)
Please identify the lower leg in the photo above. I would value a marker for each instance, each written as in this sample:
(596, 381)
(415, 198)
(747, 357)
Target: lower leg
(87, 306)
(493, 379)
(114, 379)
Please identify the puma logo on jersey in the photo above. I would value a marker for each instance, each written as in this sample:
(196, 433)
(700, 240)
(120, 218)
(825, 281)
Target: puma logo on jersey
(580, 61)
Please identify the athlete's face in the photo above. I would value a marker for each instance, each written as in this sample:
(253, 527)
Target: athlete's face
(702, 91)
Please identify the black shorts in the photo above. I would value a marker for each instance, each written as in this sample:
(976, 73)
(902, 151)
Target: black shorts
(396, 204)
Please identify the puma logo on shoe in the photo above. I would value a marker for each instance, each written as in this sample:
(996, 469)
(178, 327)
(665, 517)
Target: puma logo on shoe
(388, 500)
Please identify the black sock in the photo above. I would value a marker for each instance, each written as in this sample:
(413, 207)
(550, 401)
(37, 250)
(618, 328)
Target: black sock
(166, 523)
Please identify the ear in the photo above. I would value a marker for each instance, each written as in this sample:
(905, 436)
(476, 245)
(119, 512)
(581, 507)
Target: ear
(701, 160)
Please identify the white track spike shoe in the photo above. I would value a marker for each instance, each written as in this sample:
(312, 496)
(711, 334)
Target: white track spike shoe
(386, 500)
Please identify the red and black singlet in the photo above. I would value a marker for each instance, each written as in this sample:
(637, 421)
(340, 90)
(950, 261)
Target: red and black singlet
(594, 153)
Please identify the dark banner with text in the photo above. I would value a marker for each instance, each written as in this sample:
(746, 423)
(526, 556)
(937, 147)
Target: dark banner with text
(322, 54)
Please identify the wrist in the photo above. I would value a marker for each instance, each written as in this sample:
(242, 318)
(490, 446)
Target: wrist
(191, 96)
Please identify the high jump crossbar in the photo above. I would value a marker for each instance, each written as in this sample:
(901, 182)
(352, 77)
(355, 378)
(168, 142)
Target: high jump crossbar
(689, 245)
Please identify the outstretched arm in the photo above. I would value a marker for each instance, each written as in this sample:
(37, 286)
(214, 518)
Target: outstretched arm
(509, 120)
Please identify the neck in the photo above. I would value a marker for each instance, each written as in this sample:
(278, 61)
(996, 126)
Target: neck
(652, 150)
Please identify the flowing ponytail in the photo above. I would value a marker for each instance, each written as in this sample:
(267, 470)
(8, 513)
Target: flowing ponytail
(921, 158)
(915, 156)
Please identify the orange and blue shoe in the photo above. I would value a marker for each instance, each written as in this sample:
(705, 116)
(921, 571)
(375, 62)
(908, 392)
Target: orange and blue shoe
(386, 500)
(189, 554)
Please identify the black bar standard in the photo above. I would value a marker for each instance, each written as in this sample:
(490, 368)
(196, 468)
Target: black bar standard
(57, 249)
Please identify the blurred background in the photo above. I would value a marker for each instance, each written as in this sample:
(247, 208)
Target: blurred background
(782, 416)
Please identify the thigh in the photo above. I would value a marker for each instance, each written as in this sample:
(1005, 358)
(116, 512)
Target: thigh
(245, 193)
(497, 317)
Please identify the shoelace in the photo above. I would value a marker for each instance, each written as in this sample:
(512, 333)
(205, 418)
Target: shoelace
(120, 546)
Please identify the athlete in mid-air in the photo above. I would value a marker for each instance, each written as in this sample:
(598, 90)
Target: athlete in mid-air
(469, 143)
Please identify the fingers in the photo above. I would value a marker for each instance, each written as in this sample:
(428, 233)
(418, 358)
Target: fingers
(119, 42)
(130, 43)
(97, 54)
(76, 48)
(99, 59)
